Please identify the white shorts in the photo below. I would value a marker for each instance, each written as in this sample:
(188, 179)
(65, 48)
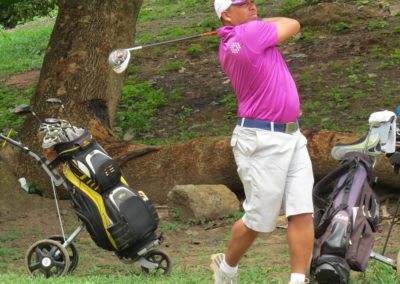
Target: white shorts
(273, 167)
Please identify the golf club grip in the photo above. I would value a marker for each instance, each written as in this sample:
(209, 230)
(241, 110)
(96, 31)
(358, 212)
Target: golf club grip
(209, 34)
(179, 39)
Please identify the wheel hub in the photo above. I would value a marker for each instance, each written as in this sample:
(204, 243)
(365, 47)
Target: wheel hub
(46, 262)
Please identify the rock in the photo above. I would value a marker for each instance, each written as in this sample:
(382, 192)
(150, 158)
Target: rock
(128, 137)
(394, 10)
(202, 202)
(129, 134)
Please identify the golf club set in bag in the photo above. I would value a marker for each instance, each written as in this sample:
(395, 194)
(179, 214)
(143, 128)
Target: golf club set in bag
(117, 217)
(348, 209)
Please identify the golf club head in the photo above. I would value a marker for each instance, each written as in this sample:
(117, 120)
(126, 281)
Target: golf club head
(119, 60)
(22, 109)
(54, 101)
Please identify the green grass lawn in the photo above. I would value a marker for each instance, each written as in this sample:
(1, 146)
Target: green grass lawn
(376, 273)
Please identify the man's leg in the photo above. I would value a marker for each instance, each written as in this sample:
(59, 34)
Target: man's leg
(225, 265)
(240, 241)
(300, 239)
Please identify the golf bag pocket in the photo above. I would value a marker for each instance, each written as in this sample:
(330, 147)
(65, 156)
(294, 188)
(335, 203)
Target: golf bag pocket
(336, 241)
(361, 242)
(106, 171)
(121, 234)
(96, 168)
(369, 205)
(138, 218)
(331, 269)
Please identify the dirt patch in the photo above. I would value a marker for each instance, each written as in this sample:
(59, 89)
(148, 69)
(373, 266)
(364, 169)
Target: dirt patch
(23, 80)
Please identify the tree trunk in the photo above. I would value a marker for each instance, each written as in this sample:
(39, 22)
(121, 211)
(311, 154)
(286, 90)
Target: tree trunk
(209, 160)
(75, 69)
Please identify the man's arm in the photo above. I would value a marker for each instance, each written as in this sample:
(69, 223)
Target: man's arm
(286, 27)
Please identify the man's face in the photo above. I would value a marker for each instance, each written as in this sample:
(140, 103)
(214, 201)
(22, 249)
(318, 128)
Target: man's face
(241, 13)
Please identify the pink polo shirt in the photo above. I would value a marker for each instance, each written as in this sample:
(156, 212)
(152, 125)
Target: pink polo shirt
(260, 77)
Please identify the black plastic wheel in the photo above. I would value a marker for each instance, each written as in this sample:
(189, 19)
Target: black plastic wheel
(72, 252)
(48, 258)
(161, 259)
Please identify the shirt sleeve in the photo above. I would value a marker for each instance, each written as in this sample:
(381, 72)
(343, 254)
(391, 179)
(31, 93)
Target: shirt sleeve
(260, 35)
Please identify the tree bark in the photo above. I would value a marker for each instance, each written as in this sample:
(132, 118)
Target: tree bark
(75, 69)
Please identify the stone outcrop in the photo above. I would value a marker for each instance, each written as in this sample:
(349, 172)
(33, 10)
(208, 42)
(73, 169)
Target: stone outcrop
(202, 202)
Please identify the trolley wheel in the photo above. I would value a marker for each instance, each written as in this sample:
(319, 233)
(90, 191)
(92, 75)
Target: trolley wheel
(161, 259)
(398, 264)
(48, 258)
(72, 252)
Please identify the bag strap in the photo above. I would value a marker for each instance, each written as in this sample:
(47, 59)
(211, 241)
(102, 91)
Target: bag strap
(366, 161)
(349, 181)
(53, 164)
(326, 220)
(323, 185)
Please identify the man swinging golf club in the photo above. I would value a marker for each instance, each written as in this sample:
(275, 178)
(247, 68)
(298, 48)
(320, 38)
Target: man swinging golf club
(270, 152)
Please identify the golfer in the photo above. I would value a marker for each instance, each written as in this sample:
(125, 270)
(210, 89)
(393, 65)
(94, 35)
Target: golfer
(270, 152)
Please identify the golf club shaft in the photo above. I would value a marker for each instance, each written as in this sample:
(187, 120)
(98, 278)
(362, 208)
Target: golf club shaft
(172, 41)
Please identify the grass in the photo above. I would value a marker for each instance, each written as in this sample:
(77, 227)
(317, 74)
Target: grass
(139, 102)
(253, 270)
(9, 98)
(23, 50)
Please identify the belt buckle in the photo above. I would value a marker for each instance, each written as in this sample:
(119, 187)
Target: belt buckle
(291, 127)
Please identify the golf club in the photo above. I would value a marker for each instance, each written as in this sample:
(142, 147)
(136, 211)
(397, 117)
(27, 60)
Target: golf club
(119, 58)
(60, 102)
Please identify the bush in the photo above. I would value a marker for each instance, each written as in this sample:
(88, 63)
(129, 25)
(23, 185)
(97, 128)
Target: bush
(14, 12)
(139, 104)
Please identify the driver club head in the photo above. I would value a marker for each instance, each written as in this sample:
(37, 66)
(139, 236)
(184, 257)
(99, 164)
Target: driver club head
(54, 101)
(22, 109)
(119, 60)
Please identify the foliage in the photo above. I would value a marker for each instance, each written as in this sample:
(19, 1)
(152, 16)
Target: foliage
(173, 65)
(308, 35)
(23, 50)
(375, 24)
(340, 26)
(195, 50)
(10, 98)
(210, 23)
(231, 104)
(14, 12)
(139, 103)
(289, 6)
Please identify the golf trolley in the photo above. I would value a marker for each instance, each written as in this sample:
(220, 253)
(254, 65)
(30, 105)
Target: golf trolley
(117, 217)
(352, 206)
